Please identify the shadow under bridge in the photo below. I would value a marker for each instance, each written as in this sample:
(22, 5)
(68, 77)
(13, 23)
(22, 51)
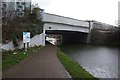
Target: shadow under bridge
(69, 37)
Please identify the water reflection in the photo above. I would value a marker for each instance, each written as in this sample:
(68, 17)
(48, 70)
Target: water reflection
(100, 61)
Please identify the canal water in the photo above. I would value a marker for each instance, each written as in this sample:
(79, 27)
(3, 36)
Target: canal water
(100, 61)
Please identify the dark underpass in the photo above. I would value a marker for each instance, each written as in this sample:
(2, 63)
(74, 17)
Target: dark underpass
(70, 37)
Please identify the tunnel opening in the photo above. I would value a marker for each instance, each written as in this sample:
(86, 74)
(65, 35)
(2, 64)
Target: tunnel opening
(66, 37)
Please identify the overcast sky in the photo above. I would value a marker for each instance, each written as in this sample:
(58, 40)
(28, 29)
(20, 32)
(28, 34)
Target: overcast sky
(101, 10)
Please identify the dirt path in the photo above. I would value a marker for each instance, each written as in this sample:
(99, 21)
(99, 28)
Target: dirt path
(45, 64)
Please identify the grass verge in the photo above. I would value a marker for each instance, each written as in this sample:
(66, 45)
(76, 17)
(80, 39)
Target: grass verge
(10, 58)
(74, 69)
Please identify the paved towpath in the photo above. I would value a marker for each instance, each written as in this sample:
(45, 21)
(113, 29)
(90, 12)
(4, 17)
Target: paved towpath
(45, 64)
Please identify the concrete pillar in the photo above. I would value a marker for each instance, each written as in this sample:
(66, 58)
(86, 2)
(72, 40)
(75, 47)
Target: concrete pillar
(90, 25)
(89, 34)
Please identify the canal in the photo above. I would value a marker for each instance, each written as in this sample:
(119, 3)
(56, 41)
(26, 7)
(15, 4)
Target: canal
(100, 61)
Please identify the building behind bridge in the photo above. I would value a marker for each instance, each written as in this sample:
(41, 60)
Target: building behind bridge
(18, 6)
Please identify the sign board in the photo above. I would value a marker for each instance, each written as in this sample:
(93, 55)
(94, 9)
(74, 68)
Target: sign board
(26, 37)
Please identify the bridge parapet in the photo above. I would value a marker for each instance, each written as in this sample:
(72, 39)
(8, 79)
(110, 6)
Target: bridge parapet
(64, 20)
(101, 26)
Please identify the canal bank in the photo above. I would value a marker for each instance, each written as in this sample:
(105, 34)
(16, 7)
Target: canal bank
(101, 37)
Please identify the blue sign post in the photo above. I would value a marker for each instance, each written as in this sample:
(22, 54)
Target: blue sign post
(26, 39)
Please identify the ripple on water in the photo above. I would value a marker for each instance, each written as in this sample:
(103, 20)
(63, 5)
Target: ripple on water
(100, 73)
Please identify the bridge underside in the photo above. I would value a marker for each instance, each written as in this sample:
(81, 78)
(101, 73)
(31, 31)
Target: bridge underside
(70, 37)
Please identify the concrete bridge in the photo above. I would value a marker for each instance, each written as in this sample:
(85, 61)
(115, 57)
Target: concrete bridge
(72, 30)
(56, 22)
